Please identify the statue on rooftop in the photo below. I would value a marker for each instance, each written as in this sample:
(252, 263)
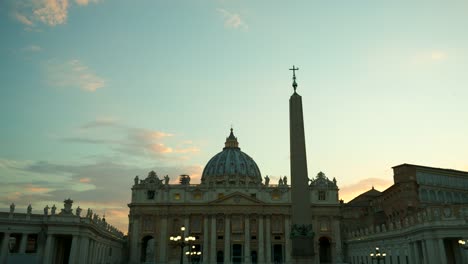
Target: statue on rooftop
(12, 208)
(166, 180)
(280, 182)
(89, 213)
(285, 180)
(267, 181)
(78, 211)
(46, 210)
(136, 180)
(53, 209)
(29, 209)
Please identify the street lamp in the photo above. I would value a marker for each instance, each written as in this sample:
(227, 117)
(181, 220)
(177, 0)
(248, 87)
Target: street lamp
(378, 255)
(182, 241)
(463, 243)
(193, 253)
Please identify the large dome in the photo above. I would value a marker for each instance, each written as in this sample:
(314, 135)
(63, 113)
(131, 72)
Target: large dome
(231, 166)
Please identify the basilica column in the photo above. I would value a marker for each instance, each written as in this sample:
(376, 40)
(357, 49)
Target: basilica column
(74, 250)
(212, 241)
(5, 248)
(227, 239)
(24, 242)
(287, 239)
(186, 232)
(338, 257)
(261, 244)
(134, 240)
(163, 240)
(205, 239)
(247, 257)
(441, 251)
(268, 239)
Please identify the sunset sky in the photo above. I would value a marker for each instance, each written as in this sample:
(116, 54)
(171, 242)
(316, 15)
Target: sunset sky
(94, 92)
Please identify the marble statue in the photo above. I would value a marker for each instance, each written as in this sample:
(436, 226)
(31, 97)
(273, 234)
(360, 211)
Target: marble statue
(280, 182)
(78, 211)
(53, 209)
(166, 179)
(267, 181)
(285, 180)
(12, 208)
(46, 210)
(136, 180)
(29, 209)
(89, 213)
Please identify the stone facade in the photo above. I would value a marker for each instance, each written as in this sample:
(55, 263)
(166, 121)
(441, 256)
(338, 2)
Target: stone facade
(234, 221)
(418, 220)
(52, 237)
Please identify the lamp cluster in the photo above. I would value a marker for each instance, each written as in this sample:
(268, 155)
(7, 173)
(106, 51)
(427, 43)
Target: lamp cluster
(193, 252)
(463, 243)
(378, 255)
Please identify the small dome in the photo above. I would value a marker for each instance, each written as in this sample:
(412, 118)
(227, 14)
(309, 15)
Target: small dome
(231, 166)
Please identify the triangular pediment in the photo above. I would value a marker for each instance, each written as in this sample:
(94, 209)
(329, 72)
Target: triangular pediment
(237, 198)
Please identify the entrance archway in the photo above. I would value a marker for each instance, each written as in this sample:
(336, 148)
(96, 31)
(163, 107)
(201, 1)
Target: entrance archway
(325, 250)
(147, 250)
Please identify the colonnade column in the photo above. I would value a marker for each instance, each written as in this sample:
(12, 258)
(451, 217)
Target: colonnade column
(268, 239)
(163, 239)
(49, 249)
(247, 256)
(227, 239)
(134, 240)
(74, 250)
(84, 250)
(337, 242)
(212, 240)
(261, 244)
(287, 239)
(4, 249)
(205, 256)
(24, 242)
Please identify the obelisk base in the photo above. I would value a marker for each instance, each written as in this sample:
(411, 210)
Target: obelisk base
(302, 250)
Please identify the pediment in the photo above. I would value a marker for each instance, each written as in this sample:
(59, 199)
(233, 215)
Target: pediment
(237, 198)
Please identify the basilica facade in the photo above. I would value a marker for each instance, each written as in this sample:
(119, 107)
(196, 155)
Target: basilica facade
(234, 214)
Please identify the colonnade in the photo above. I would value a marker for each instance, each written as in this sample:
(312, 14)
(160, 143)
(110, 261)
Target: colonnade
(83, 249)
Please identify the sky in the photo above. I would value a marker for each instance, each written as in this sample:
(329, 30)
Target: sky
(95, 92)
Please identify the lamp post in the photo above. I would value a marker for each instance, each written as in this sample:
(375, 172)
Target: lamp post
(378, 255)
(182, 241)
(463, 243)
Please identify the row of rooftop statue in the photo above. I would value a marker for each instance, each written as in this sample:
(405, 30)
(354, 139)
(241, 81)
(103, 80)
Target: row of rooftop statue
(66, 210)
(184, 179)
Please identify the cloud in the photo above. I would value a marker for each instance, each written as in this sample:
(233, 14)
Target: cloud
(72, 73)
(48, 12)
(232, 20)
(427, 57)
(349, 192)
(32, 48)
(93, 185)
(23, 19)
(85, 2)
(52, 12)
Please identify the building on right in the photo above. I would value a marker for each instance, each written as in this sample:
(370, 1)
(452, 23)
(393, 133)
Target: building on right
(422, 218)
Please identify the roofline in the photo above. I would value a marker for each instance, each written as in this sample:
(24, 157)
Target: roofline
(432, 168)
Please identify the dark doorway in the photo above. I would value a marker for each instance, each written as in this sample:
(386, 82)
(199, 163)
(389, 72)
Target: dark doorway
(277, 253)
(254, 257)
(325, 250)
(147, 249)
(63, 249)
(220, 257)
(237, 253)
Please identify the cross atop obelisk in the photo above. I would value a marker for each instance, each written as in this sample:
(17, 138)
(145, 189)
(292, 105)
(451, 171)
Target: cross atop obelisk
(294, 77)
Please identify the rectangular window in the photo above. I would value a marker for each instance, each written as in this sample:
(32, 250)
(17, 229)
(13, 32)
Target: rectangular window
(253, 195)
(150, 195)
(31, 246)
(177, 196)
(321, 195)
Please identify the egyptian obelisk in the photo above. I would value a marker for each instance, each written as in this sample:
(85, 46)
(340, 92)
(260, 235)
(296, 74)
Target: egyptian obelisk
(301, 220)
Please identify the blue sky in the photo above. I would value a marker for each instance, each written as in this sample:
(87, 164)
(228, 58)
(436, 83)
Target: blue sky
(96, 92)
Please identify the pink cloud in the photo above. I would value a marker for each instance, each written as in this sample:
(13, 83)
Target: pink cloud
(349, 192)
